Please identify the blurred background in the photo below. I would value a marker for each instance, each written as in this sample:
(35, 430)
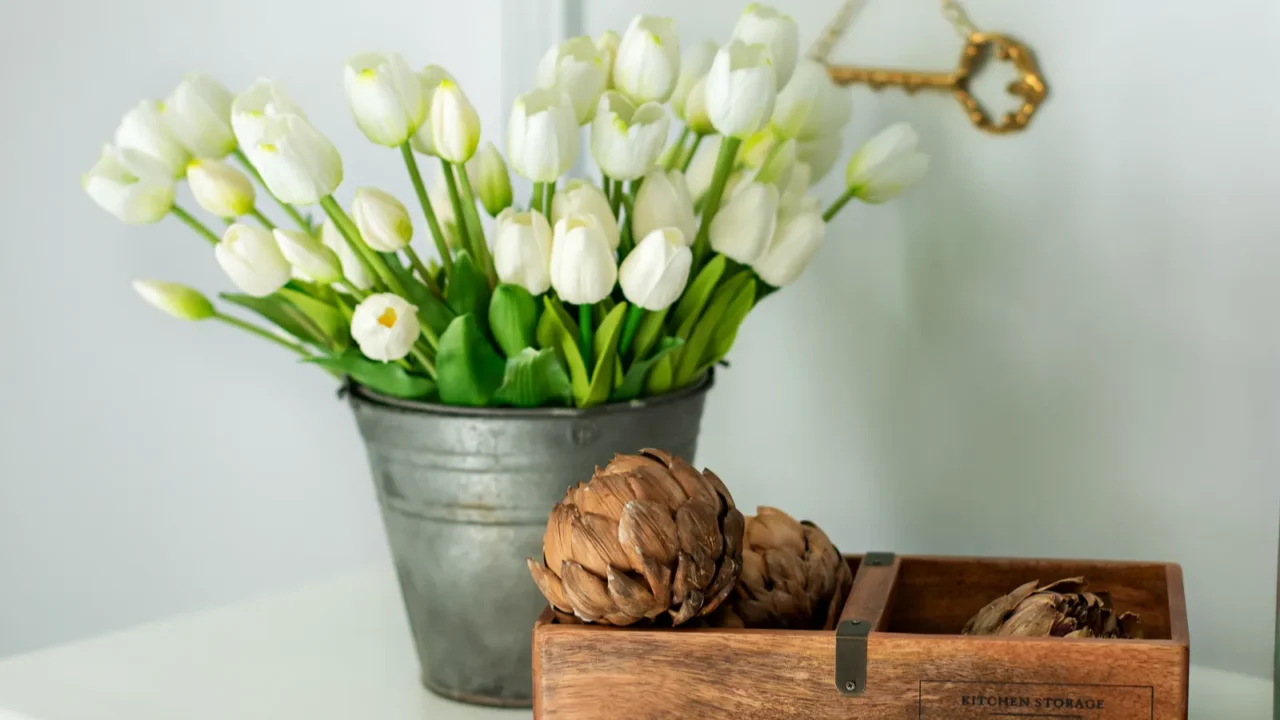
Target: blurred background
(1062, 344)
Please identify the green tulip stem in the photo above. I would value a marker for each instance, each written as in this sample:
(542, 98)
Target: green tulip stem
(693, 150)
(473, 223)
(442, 246)
(635, 314)
(421, 267)
(351, 233)
(550, 196)
(676, 153)
(535, 203)
(584, 332)
(613, 191)
(290, 210)
(458, 213)
(191, 221)
(264, 334)
(839, 204)
(256, 214)
(425, 360)
(711, 202)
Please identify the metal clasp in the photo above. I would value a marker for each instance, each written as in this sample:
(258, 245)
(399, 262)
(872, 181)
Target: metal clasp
(851, 657)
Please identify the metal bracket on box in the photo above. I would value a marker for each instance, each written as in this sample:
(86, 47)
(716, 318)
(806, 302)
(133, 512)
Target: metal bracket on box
(851, 641)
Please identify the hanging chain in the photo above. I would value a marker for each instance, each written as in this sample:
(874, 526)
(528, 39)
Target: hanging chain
(956, 15)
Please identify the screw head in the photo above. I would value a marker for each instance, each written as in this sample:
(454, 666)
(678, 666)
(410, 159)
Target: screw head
(850, 686)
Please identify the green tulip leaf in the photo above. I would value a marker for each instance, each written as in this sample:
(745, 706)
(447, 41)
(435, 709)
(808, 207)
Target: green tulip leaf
(386, 378)
(432, 312)
(468, 290)
(691, 357)
(607, 336)
(726, 332)
(648, 332)
(696, 296)
(558, 332)
(662, 376)
(284, 315)
(513, 318)
(534, 378)
(331, 320)
(633, 382)
(468, 370)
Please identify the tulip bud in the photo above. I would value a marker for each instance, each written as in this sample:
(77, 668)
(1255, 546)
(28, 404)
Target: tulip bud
(352, 268)
(694, 65)
(703, 167)
(607, 45)
(580, 197)
(136, 188)
(252, 108)
(576, 67)
(198, 114)
(664, 201)
(385, 97)
(763, 25)
(250, 257)
(648, 61)
(795, 241)
(179, 301)
(654, 274)
(625, 140)
(743, 227)
(793, 192)
(820, 153)
(740, 89)
(542, 135)
(522, 250)
(812, 105)
(429, 79)
(442, 204)
(695, 109)
(309, 256)
(455, 125)
(298, 164)
(385, 326)
(583, 269)
(143, 129)
(383, 220)
(886, 165)
(488, 172)
(219, 188)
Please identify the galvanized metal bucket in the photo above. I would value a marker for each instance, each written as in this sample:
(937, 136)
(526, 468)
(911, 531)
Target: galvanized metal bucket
(465, 494)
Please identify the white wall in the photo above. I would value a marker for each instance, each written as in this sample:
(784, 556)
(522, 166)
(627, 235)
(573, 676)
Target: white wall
(1062, 344)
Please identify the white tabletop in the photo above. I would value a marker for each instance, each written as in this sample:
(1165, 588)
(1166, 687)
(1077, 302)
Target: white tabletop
(334, 651)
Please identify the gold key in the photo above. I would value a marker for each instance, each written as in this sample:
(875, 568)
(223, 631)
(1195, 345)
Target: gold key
(1028, 86)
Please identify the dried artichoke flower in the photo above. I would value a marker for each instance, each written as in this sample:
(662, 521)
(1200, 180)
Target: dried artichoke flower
(1060, 609)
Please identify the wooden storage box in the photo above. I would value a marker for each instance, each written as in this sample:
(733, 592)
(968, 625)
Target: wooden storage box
(897, 655)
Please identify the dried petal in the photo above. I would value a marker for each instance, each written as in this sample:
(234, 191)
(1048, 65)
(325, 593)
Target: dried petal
(630, 595)
(606, 495)
(699, 533)
(989, 618)
(719, 486)
(682, 579)
(1067, 586)
(625, 464)
(732, 528)
(559, 535)
(691, 607)
(549, 583)
(1131, 626)
(721, 586)
(772, 528)
(656, 486)
(587, 594)
(659, 578)
(647, 530)
(752, 579)
(594, 544)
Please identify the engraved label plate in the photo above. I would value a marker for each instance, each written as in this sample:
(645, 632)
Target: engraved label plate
(963, 700)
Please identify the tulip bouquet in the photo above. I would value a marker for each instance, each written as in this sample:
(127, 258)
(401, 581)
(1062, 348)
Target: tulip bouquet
(592, 292)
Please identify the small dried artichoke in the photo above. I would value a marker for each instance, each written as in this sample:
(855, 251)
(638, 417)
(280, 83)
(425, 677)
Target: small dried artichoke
(1061, 609)
(792, 576)
(647, 538)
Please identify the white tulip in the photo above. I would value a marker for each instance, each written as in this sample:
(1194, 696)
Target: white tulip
(298, 164)
(648, 61)
(778, 164)
(796, 240)
(576, 67)
(383, 220)
(820, 153)
(199, 116)
(654, 274)
(741, 89)
(219, 188)
(742, 228)
(583, 269)
(177, 300)
(250, 257)
(385, 326)
(793, 192)
(763, 25)
(695, 109)
(703, 167)
(488, 173)
(352, 268)
(309, 256)
(664, 201)
(694, 65)
(134, 187)
(542, 135)
(625, 140)
(385, 97)
(607, 45)
(581, 197)
(455, 124)
(886, 165)
(252, 108)
(429, 79)
(522, 250)
(812, 105)
(143, 129)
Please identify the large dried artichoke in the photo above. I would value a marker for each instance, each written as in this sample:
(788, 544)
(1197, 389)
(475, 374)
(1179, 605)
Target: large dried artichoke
(647, 537)
(1061, 609)
(792, 576)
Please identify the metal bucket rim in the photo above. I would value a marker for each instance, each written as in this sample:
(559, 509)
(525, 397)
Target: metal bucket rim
(360, 393)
